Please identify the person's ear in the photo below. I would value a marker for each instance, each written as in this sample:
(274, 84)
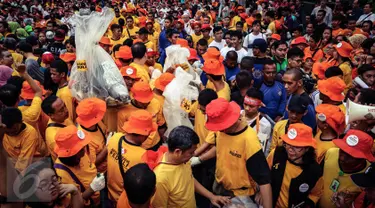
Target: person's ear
(300, 83)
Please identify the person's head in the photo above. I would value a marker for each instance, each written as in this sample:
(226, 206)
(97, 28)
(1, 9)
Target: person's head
(6, 58)
(297, 108)
(129, 22)
(197, 27)
(50, 25)
(295, 57)
(292, 79)
(330, 118)
(269, 71)
(327, 34)
(336, 21)
(367, 8)
(244, 80)
(25, 48)
(333, 71)
(172, 35)
(226, 21)
(42, 38)
(90, 111)
(366, 182)
(310, 28)
(314, 40)
(206, 20)
(270, 16)
(168, 22)
(297, 32)
(368, 46)
(356, 40)
(352, 22)
(116, 30)
(182, 142)
(202, 46)
(367, 74)
(139, 184)
(259, 47)
(59, 71)
(256, 26)
(367, 26)
(252, 101)
(10, 43)
(139, 51)
(364, 97)
(239, 26)
(236, 38)
(9, 95)
(247, 63)
(4, 27)
(12, 119)
(218, 33)
(227, 38)
(142, 94)
(205, 97)
(320, 15)
(323, 3)
(281, 49)
(231, 59)
(139, 126)
(55, 108)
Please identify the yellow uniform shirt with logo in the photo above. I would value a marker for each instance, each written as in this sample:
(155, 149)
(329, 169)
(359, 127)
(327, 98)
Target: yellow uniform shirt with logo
(199, 125)
(142, 72)
(234, 153)
(65, 95)
(174, 186)
(131, 155)
(130, 33)
(85, 172)
(322, 147)
(31, 114)
(51, 132)
(196, 38)
(22, 148)
(278, 131)
(293, 171)
(157, 112)
(330, 173)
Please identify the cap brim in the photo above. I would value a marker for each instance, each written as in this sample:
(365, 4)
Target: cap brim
(77, 147)
(341, 143)
(144, 99)
(229, 121)
(141, 131)
(363, 180)
(296, 143)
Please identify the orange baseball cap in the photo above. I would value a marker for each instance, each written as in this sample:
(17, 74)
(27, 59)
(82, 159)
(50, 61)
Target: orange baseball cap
(181, 21)
(140, 122)
(142, 92)
(356, 143)
(27, 92)
(343, 48)
(151, 52)
(214, 67)
(276, 37)
(333, 115)
(222, 114)
(206, 27)
(70, 140)
(299, 40)
(90, 111)
(243, 15)
(105, 41)
(333, 87)
(249, 20)
(182, 42)
(125, 52)
(129, 71)
(213, 53)
(299, 135)
(137, 41)
(196, 23)
(163, 81)
(68, 57)
(193, 54)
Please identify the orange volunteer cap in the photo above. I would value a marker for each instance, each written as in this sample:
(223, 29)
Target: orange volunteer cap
(70, 140)
(142, 92)
(333, 115)
(249, 20)
(105, 41)
(27, 92)
(90, 111)
(182, 42)
(333, 87)
(299, 135)
(276, 37)
(163, 81)
(243, 15)
(140, 122)
(299, 40)
(319, 69)
(213, 53)
(206, 27)
(129, 71)
(68, 57)
(221, 114)
(356, 143)
(124, 53)
(343, 48)
(193, 54)
(151, 52)
(214, 67)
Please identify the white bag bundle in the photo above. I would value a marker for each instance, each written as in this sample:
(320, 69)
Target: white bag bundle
(94, 74)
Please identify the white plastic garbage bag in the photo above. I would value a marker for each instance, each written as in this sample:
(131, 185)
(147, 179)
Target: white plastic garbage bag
(94, 74)
(242, 202)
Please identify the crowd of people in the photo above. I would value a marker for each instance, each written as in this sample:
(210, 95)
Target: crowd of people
(273, 124)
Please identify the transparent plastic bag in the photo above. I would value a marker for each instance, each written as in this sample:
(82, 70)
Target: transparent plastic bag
(175, 92)
(242, 202)
(94, 74)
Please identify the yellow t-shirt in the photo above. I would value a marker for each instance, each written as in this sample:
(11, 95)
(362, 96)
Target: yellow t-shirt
(235, 20)
(116, 42)
(210, 40)
(150, 44)
(322, 147)
(174, 186)
(278, 131)
(17, 59)
(196, 38)
(50, 136)
(155, 109)
(22, 148)
(155, 39)
(272, 27)
(85, 172)
(293, 171)
(128, 33)
(131, 155)
(232, 154)
(223, 93)
(65, 95)
(347, 70)
(157, 27)
(199, 125)
(31, 114)
(116, 19)
(330, 172)
(160, 98)
(142, 72)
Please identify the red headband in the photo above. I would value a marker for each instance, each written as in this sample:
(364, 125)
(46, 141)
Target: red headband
(252, 101)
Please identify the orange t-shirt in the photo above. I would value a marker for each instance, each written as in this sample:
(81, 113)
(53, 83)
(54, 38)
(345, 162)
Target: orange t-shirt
(317, 56)
(336, 32)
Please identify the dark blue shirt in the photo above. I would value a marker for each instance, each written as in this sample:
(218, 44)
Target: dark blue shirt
(310, 118)
(274, 97)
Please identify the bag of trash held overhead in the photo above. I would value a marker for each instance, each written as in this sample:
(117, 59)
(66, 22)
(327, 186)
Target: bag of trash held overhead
(94, 74)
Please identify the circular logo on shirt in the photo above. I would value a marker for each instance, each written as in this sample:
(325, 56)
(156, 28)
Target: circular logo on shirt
(339, 45)
(257, 74)
(352, 140)
(129, 71)
(292, 134)
(80, 134)
(322, 117)
(303, 187)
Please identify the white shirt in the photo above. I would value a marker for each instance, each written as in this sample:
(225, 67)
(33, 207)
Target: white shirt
(365, 17)
(327, 18)
(240, 53)
(249, 39)
(219, 45)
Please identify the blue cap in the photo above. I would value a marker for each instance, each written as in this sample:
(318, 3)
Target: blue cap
(261, 44)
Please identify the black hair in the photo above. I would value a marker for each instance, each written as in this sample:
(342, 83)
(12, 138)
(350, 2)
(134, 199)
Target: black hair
(47, 104)
(128, 42)
(298, 28)
(247, 63)
(237, 34)
(65, 28)
(215, 77)
(32, 40)
(255, 93)
(270, 14)
(338, 17)
(269, 61)
(138, 50)
(206, 96)
(364, 68)
(368, 22)
(139, 183)
(240, 23)
(368, 43)
(232, 55)
(276, 44)
(256, 22)
(72, 161)
(368, 4)
(129, 17)
(333, 71)
(322, 11)
(9, 95)
(121, 22)
(295, 52)
(202, 42)
(60, 66)
(10, 43)
(170, 18)
(316, 37)
(244, 79)
(11, 116)
(170, 32)
(217, 29)
(228, 33)
(25, 47)
(115, 26)
(116, 48)
(182, 138)
(367, 96)
(17, 82)
(297, 73)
